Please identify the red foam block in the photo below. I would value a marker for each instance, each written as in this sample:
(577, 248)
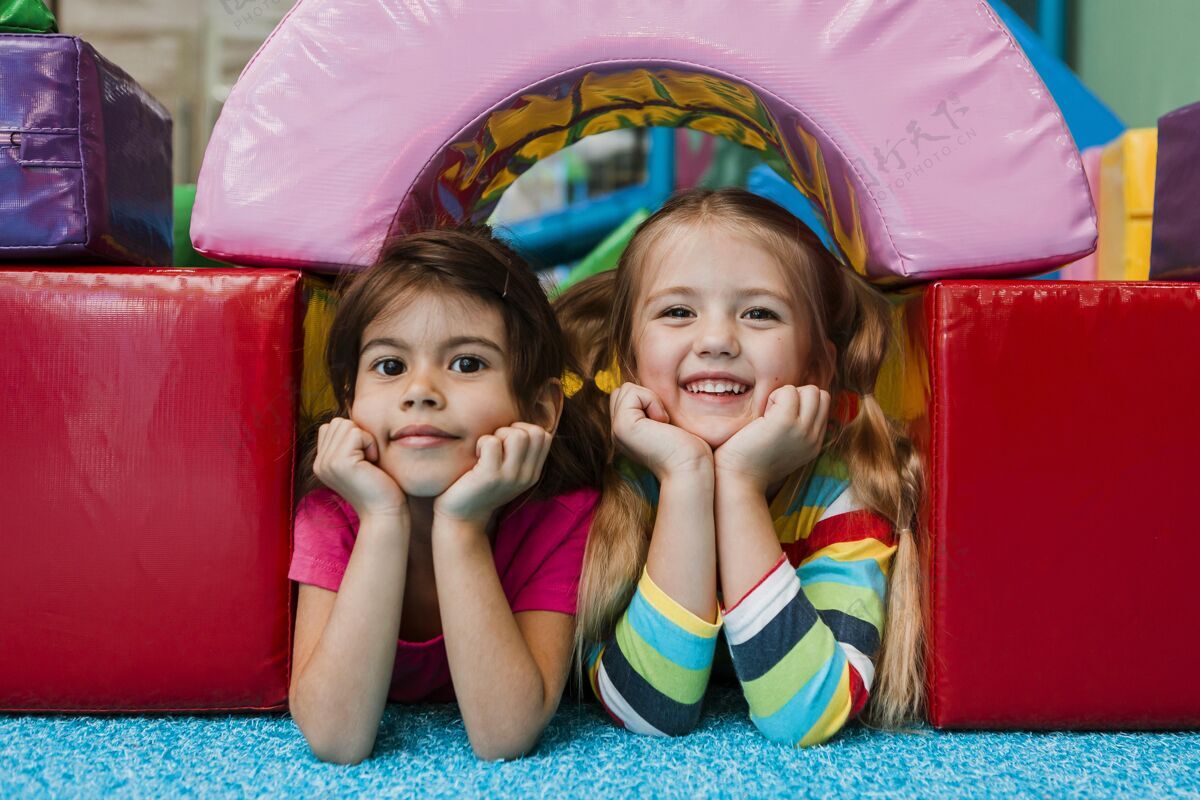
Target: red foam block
(1062, 509)
(146, 455)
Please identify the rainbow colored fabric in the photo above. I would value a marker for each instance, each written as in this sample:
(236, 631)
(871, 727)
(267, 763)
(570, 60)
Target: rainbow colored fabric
(476, 171)
(802, 642)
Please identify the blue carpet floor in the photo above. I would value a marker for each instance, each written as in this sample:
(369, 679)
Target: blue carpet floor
(423, 752)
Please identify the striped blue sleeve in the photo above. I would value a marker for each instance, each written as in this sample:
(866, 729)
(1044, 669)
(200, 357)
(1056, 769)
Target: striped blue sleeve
(652, 673)
(804, 639)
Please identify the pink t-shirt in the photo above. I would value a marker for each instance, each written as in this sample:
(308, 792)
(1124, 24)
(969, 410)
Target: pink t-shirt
(538, 550)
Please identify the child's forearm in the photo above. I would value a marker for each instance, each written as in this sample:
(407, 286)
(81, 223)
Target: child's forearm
(503, 695)
(682, 559)
(651, 674)
(814, 629)
(341, 691)
(747, 545)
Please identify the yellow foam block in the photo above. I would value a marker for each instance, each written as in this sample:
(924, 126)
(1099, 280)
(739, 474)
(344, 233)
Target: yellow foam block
(902, 386)
(1127, 206)
(316, 391)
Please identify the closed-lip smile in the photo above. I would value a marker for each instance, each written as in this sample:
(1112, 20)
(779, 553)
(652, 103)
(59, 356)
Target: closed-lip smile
(422, 436)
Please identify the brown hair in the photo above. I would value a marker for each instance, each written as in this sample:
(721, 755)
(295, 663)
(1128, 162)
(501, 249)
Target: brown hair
(467, 261)
(885, 470)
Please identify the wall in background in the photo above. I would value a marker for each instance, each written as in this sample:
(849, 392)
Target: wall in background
(187, 53)
(1141, 57)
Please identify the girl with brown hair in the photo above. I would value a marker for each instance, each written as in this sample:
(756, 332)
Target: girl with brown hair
(445, 505)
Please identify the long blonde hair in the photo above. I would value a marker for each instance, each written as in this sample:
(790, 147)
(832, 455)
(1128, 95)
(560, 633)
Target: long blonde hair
(885, 470)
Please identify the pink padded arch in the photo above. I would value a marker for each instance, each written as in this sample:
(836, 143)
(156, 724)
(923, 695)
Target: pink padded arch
(919, 126)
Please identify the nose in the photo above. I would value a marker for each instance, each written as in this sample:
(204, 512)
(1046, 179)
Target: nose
(422, 391)
(717, 337)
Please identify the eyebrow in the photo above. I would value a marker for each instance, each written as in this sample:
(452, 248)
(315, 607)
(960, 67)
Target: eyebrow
(687, 291)
(449, 344)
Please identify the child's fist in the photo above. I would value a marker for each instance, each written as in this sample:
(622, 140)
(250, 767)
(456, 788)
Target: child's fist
(788, 435)
(642, 429)
(345, 462)
(510, 462)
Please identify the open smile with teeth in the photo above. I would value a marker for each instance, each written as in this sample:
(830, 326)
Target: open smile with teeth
(716, 387)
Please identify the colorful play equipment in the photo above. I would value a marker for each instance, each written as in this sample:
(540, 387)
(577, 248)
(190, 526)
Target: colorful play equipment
(184, 255)
(1175, 245)
(316, 389)
(606, 254)
(1085, 268)
(1092, 123)
(26, 16)
(577, 230)
(1056, 510)
(151, 501)
(85, 157)
(1126, 206)
(896, 153)
(766, 182)
(712, 161)
(147, 471)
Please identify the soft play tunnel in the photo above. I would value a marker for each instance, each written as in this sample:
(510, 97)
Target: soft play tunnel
(919, 127)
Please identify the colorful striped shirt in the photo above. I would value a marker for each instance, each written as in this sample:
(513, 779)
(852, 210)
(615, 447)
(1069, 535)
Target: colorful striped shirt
(802, 641)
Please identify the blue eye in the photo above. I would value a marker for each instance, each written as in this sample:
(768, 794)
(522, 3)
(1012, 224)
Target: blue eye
(760, 314)
(391, 367)
(467, 364)
(677, 312)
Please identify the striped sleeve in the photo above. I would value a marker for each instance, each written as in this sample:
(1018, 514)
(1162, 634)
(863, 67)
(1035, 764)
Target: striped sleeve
(651, 674)
(804, 639)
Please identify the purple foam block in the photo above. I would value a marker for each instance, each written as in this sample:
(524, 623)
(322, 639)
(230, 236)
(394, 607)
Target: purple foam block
(85, 157)
(1175, 242)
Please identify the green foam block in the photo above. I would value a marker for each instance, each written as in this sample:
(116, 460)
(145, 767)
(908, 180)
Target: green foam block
(26, 16)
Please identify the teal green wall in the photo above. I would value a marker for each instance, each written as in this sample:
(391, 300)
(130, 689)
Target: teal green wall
(1141, 57)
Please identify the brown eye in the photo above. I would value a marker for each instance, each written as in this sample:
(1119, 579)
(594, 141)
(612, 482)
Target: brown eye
(389, 367)
(467, 364)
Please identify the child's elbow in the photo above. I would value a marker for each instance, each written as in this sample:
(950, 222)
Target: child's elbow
(329, 744)
(498, 753)
(502, 751)
(334, 748)
(335, 754)
(788, 735)
(788, 732)
(502, 748)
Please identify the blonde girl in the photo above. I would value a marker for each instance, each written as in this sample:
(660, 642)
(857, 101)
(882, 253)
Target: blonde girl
(744, 506)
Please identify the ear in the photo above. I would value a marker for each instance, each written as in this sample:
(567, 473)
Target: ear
(547, 409)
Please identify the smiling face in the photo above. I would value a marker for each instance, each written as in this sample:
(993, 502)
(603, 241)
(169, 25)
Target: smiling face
(432, 378)
(716, 329)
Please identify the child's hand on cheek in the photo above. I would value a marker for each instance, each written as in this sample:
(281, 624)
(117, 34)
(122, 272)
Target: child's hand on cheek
(510, 461)
(788, 435)
(642, 428)
(345, 463)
